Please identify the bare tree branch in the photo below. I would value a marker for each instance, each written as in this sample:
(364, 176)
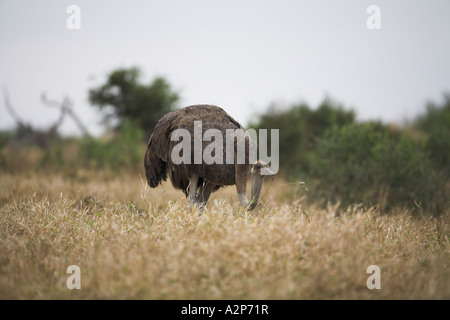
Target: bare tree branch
(66, 107)
(11, 110)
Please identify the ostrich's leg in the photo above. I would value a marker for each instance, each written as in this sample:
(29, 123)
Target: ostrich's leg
(206, 191)
(192, 188)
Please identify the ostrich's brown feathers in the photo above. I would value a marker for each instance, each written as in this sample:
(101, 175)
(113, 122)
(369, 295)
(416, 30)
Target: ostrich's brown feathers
(158, 162)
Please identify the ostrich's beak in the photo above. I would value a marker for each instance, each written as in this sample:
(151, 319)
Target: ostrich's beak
(267, 172)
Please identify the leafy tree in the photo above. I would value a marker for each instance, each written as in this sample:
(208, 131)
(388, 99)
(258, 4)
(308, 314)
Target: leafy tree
(123, 98)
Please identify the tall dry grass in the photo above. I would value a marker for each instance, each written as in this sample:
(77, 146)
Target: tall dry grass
(133, 242)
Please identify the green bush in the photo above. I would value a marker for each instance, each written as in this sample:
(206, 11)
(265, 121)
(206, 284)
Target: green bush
(4, 138)
(53, 157)
(300, 127)
(125, 149)
(376, 165)
(435, 123)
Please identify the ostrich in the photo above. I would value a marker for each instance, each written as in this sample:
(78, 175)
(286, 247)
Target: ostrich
(199, 180)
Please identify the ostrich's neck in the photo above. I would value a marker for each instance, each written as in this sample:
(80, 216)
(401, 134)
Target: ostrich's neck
(256, 191)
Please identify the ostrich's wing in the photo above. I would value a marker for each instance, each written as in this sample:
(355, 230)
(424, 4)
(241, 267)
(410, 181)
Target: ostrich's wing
(155, 161)
(157, 157)
(155, 167)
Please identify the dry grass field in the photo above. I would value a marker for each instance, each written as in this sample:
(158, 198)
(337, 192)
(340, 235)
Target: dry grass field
(133, 242)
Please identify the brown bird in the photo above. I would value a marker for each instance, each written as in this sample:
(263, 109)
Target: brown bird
(199, 179)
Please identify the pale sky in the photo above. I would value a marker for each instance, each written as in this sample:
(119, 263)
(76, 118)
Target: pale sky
(241, 55)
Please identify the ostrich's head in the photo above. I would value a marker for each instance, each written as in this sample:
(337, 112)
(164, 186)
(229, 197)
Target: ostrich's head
(259, 170)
